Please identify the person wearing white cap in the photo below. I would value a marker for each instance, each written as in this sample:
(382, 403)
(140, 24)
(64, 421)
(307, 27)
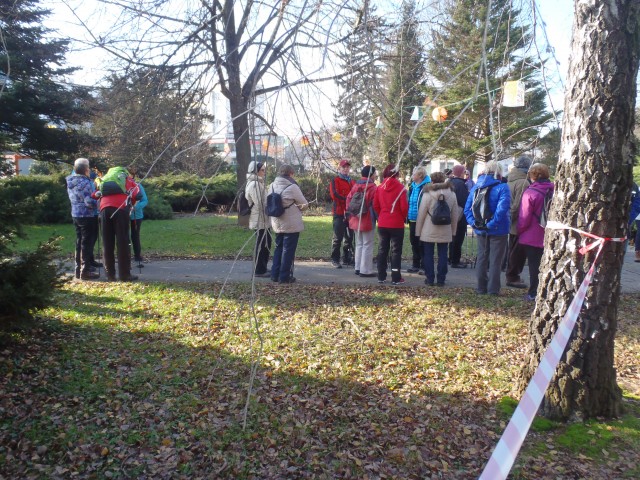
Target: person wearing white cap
(256, 196)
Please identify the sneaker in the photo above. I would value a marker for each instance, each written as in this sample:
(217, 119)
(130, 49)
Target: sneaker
(336, 264)
(529, 298)
(357, 272)
(458, 265)
(518, 284)
(413, 270)
(382, 281)
(289, 280)
(368, 275)
(399, 282)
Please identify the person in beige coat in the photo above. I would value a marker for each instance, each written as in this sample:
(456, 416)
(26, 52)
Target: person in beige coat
(256, 195)
(288, 226)
(440, 235)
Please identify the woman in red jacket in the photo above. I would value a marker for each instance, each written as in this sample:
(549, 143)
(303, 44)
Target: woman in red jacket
(391, 207)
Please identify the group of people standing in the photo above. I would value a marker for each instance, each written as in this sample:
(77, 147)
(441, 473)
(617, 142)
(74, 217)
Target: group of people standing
(113, 205)
(361, 207)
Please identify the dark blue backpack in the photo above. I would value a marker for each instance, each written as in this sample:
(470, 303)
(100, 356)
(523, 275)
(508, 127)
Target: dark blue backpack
(274, 207)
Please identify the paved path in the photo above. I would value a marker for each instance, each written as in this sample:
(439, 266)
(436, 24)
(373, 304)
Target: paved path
(323, 273)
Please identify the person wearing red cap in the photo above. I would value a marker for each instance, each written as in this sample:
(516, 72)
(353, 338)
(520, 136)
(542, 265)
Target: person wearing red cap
(339, 189)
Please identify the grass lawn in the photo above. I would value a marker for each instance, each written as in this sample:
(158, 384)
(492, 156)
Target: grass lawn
(150, 381)
(210, 236)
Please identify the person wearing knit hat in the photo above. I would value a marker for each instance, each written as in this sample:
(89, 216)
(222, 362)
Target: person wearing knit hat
(339, 189)
(516, 254)
(461, 191)
(256, 195)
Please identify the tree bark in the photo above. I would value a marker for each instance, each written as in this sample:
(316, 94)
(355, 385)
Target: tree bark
(592, 193)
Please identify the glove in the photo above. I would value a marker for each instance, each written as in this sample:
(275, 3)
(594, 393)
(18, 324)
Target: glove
(98, 194)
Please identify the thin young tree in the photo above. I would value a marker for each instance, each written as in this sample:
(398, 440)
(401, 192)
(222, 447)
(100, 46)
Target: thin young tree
(592, 194)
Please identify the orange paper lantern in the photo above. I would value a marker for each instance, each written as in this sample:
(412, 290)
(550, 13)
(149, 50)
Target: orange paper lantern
(439, 114)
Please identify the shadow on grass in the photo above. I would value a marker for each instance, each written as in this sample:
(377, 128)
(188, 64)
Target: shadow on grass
(81, 400)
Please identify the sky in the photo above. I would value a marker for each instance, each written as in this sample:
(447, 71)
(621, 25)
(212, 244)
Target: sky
(556, 17)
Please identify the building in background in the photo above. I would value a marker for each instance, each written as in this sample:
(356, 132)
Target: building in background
(21, 163)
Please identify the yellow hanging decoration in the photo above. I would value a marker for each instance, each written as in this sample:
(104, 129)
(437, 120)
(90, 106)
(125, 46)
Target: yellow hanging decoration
(513, 95)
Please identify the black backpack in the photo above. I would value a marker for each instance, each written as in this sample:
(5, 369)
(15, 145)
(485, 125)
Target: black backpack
(244, 208)
(274, 206)
(480, 207)
(442, 213)
(544, 213)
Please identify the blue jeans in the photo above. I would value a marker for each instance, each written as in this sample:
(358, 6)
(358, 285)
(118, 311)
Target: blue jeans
(427, 261)
(285, 252)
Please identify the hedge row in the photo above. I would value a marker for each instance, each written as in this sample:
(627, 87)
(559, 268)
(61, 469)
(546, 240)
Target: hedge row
(166, 193)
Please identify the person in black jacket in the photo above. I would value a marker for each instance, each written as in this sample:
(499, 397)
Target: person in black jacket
(461, 191)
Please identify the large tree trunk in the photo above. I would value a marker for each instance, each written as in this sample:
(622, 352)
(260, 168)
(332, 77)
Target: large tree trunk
(592, 194)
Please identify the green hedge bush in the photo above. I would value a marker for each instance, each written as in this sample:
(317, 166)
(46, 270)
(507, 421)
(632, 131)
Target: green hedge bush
(158, 207)
(184, 191)
(51, 189)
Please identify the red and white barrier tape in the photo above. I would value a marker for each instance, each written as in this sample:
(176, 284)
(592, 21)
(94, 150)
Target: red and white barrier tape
(504, 455)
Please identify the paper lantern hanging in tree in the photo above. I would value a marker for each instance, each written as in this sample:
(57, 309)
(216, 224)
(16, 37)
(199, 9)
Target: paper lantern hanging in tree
(337, 137)
(439, 114)
(304, 141)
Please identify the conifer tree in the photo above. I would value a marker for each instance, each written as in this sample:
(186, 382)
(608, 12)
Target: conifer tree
(38, 113)
(406, 81)
(362, 88)
(458, 75)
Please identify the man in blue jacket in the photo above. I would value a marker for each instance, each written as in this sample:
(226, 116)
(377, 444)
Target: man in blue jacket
(491, 225)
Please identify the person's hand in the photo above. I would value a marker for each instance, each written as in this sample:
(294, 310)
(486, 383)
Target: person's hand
(98, 194)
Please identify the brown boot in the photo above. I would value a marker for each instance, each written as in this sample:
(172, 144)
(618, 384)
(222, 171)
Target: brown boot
(637, 256)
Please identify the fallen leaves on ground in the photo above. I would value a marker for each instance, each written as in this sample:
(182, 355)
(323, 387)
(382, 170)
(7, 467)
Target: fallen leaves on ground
(151, 381)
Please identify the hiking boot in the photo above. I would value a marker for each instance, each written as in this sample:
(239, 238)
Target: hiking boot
(518, 284)
(398, 282)
(413, 270)
(336, 264)
(529, 298)
(357, 272)
(458, 265)
(89, 275)
(95, 264)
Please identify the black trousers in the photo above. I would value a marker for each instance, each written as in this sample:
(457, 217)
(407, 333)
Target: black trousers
(534, 256)
(516, 259)
(390, 239)
(84, 230)
(341, 231)
(135, 239)
(95, 231)
(262, 250)
(115, 233)
(416, 247)
(455, 247)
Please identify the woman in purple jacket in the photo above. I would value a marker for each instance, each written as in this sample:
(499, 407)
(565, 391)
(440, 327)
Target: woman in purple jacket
(530, 233)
